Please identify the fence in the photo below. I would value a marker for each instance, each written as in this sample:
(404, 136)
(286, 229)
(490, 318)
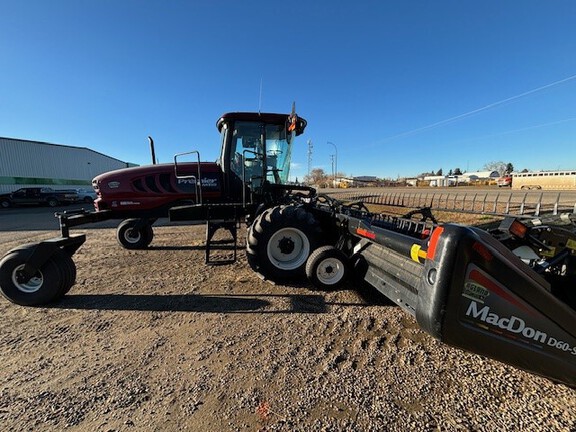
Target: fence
(516, 203)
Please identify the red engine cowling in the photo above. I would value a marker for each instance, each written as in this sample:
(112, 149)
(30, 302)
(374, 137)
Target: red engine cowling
(156, 188)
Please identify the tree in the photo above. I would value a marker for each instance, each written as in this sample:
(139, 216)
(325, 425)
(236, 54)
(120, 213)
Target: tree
(509, 168)
(457, 171)
(496, 166)
(439, 172)
(450, 173)
(317, 176)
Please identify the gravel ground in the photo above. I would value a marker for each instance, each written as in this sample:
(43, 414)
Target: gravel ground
(155, 340)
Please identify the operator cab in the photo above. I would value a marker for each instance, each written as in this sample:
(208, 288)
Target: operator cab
(256, 149)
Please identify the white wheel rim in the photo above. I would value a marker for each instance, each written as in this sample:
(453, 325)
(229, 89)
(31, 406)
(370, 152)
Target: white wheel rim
(33, 285)
(288, 248)
(132, 236)
(330, 271)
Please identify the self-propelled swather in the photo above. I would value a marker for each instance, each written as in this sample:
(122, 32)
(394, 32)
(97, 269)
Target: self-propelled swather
(507, 293)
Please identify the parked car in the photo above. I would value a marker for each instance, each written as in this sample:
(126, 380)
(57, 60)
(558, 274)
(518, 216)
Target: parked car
(504, 181)
(38, 196)
(86, 195)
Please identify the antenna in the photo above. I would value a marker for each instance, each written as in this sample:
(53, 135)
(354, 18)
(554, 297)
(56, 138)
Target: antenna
(260, 97)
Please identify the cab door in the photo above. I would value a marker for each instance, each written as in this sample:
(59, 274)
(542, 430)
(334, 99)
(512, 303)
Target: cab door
(33, 196)
(244, 158)
(19, 196)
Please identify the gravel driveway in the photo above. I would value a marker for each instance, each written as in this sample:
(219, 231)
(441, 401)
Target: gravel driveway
(154, 340)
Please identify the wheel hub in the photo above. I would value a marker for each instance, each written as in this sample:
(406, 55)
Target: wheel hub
(21, 277)
(24, 284)
(286, 245)
(132, 235)
(330, 271)
(288, 248)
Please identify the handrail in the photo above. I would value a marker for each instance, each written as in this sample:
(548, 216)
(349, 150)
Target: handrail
(197, 179)
(257, 155)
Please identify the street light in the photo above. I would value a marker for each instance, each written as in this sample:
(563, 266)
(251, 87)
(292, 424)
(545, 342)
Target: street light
(335, 161)
(332, 167)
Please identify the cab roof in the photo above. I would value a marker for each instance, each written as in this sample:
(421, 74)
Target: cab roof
(268, 118)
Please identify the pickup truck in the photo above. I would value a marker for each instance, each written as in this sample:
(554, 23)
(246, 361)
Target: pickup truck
(38, 196)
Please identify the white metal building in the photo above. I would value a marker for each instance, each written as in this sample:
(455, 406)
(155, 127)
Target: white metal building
(479, 175)
(32, 163)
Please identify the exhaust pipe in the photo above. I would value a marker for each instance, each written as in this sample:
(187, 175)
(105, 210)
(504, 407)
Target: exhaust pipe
(152, 150)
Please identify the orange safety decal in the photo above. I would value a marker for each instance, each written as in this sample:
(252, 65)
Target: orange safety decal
(434, 242)
(365, 233)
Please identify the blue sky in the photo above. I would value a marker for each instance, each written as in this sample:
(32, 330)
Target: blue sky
(372, 77)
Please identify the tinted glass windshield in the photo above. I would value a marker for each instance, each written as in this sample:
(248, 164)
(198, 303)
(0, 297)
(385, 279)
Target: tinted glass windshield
(255, 160)
(277, 154)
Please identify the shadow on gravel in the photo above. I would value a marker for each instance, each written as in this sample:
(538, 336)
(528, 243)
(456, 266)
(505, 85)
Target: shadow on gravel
(175, 248)
(372, 296)
(192, 303)
(368, 295)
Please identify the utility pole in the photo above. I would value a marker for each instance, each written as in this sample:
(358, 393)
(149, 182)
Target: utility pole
(333, 176)
(335, 159)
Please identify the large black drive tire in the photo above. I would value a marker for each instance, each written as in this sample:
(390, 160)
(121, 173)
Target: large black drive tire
(46, 286)
(327, 268)
(280, 241)
(133, 238)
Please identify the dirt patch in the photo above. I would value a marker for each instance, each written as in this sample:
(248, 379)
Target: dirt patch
(155, 340)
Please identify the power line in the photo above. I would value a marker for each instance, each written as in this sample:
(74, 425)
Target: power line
(519, 130)
(476, 111)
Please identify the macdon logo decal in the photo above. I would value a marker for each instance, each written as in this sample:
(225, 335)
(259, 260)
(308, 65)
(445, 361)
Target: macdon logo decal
(516, 325)
(125, 203)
